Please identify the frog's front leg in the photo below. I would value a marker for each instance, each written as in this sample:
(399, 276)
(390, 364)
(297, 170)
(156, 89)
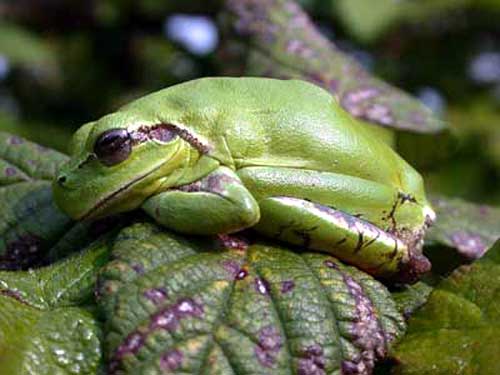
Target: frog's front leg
(339, 214)
(218, 203)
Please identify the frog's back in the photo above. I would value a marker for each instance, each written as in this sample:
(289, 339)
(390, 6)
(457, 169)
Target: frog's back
(268, 122)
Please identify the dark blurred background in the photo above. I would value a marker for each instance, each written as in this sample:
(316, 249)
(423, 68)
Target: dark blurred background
(63, 63)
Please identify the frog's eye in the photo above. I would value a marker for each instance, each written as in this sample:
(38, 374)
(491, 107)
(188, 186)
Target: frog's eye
(113, 146)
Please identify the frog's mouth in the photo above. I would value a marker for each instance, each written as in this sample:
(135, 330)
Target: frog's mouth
(97, 211)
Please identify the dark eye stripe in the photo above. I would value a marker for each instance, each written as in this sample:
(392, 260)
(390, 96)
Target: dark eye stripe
(115, 145)
(165, 133)
(162, 134)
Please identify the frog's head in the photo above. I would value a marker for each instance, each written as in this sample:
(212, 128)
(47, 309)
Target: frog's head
(117, 162)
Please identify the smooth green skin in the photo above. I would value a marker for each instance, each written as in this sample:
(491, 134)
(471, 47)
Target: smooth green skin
(275, 155)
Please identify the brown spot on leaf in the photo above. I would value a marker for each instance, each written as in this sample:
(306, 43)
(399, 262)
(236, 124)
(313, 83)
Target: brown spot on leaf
(469, 245)
(170, 317)
(270, 343)
(165, 319)
(261, 286)
(106, 287)
(188, 307)
(252, 20)
(9, 171)
(287, 286)
(233, 242)
(359, 102)
(242, 274)
(354, 368)
(232, 267)
(330, 264)
(367, 333)
(312, 361)
(171, 360)
(138, 268)
(299, 20)
(299, 48)
(15, 140)
(352, 100)
(155, 295)
(379, 113)
(131, 345)
(484, 210)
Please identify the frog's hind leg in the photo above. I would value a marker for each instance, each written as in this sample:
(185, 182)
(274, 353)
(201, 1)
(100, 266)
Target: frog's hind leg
(343, 215)
(315, 226)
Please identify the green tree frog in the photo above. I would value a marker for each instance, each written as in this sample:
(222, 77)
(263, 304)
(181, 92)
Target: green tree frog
(218, 155)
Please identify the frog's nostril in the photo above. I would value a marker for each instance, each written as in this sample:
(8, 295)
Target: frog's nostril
(61, 179)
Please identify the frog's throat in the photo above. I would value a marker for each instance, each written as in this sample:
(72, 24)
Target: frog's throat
(95, 211)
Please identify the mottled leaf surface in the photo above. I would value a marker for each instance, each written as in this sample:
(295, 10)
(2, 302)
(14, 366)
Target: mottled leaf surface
(470, 228)
(280, 41)
(44, 329)
(457, 331)
(409, 298)
(29, 219)
(185, 307)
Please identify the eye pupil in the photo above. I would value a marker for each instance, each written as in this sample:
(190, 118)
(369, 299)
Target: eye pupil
(113, 147)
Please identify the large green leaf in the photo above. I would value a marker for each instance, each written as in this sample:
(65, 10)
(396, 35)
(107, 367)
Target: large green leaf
(190, 307)
(29, 220)
(280, 41)
(43, 328)
(458, 330)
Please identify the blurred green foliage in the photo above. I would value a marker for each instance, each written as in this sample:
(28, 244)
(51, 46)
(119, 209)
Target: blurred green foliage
(63, 63)
(368, 22)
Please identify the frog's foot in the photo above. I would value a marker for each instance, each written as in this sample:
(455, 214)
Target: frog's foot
(417, 263)
(217, 203)
(411, 271)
